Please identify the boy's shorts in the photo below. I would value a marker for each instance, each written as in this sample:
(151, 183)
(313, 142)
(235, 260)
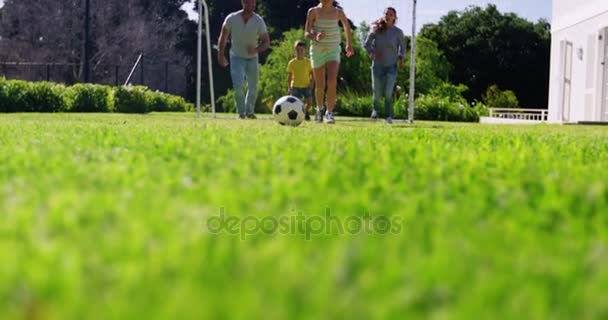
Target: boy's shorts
(301, 93)
(321, 56)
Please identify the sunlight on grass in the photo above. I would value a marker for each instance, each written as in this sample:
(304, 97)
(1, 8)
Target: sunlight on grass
(106, 217)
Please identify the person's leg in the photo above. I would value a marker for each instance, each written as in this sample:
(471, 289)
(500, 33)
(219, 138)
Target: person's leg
(378, 84)
(332, 83)
(304, 95)
(308, 100)
(307, 103)
(391, 78)
(237, 73)
(319, 74)
(333, 66)
(253, 76)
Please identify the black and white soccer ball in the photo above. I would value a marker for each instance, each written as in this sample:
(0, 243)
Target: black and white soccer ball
(289, 111)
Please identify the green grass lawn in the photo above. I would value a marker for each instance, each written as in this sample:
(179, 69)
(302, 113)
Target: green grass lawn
(116, 217)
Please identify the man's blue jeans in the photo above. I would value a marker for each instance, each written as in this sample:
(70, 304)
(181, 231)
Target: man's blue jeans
(241, 70)
(383, 82)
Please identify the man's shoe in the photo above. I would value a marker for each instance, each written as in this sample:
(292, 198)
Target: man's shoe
(374, 115)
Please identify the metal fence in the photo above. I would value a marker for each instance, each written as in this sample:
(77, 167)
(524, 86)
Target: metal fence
(519, 114)
(166, 77)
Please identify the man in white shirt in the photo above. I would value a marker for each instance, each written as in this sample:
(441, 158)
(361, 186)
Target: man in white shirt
(249, 37)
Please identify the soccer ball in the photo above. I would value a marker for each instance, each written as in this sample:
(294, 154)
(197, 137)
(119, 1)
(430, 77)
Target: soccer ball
(288, 110)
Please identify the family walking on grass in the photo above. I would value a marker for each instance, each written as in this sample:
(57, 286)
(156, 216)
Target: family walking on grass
(249, 37)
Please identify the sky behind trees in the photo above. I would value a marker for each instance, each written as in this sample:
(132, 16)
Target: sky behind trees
(429, 11)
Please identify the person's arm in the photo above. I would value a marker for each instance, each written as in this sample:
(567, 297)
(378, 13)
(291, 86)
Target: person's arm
(264, 41)
(346, 25)
(289, 78)
(221, 56)
(309, 31)
(401, 49)
(312, 80)
(370, 44)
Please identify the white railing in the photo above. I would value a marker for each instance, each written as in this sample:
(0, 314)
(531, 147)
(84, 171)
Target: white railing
(520, 114)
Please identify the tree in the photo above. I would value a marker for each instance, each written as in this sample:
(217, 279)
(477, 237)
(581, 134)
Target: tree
(487, 47)
(52, 31)
(363, 31)
(432, 67)
(281, 15)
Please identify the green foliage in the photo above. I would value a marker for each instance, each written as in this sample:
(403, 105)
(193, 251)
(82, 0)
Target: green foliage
(160, 102)
(495, 98)
(355, 72)
(434, 108)
(14, 95)
(485, 46)
(355, 105)
(22, 96)
(362, 32)
(432, 67)
(227, 103)
(454, 93)
(131, 99)
(445, 103)
(89, 98)
(47, 97)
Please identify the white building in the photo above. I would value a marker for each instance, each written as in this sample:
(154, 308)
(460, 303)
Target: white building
(579, 61)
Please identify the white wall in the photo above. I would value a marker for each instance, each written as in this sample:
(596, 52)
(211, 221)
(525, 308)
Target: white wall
(578, 22)
(567, 13)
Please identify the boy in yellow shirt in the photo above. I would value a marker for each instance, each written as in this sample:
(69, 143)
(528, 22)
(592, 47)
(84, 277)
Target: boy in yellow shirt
(299, 77)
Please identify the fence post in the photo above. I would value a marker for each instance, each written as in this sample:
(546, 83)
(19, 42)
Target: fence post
(48, 72)
(116, 75)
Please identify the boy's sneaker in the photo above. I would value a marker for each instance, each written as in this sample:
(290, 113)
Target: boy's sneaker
(306, 116)
(251, 116)
(389, 120)
(374, 115)
(318, 116)
(329, 118)
(241, 116)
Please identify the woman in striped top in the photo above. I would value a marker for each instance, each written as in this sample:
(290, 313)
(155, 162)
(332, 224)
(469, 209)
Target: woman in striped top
(323, 29)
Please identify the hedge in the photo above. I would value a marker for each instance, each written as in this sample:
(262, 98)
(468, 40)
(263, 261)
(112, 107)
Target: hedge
(23, 96)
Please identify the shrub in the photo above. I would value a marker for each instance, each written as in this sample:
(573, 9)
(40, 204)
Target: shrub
(161, 102)
(355, 106)
(227, 102)
(130, 99)
(433, 108)
(495, 98)
(179, 104)
(444, 103)
(23, 96)
(14, 95)
(88, 98)
(46, 97)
